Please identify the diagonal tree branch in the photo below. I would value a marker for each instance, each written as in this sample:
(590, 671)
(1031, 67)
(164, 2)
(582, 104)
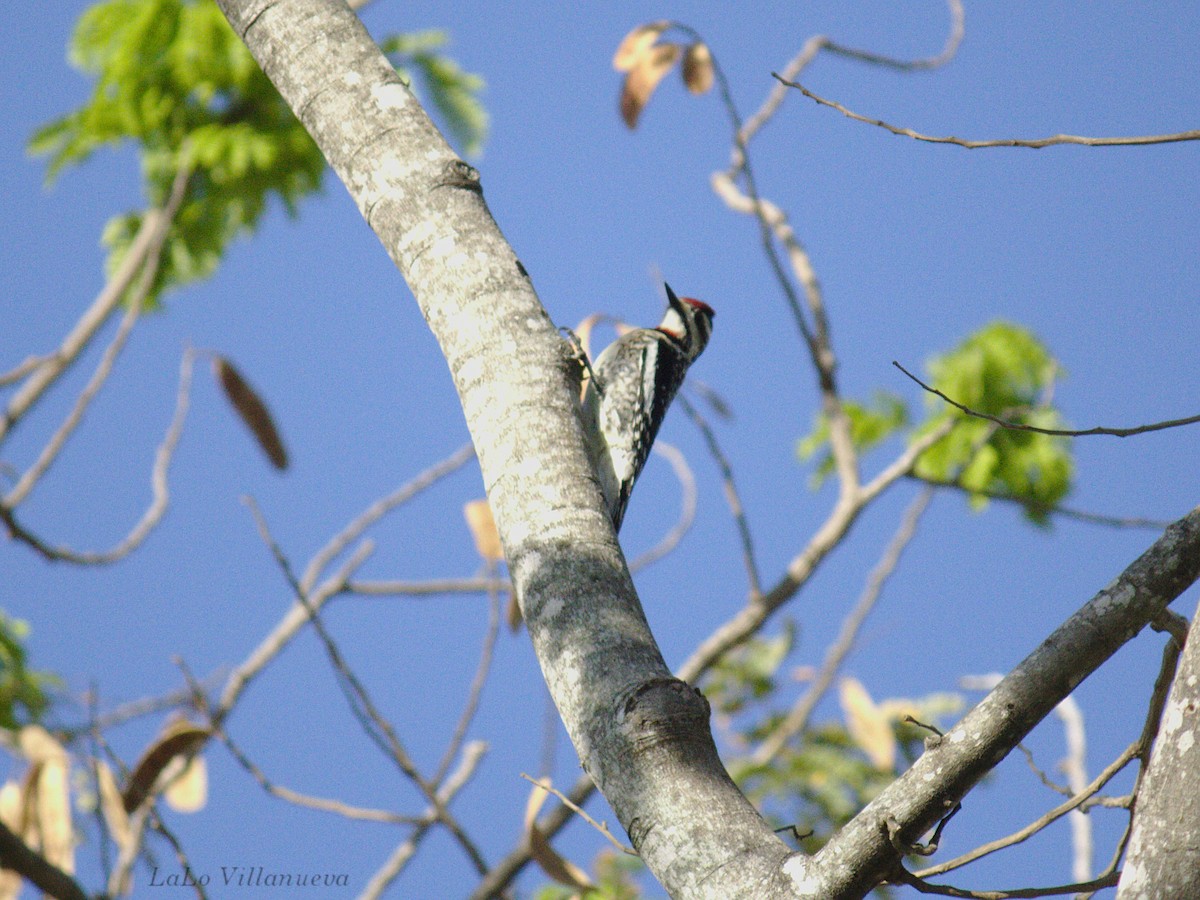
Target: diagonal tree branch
(641, 734)
(861, 854)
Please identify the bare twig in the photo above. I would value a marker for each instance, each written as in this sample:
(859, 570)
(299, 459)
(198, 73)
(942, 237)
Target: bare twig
(475, 692)
(306, 800)
(732, 497)
(841, 518)
(380, 508)
(144, 249)
(579, 811)
(945, 890)
(158, 482)
(184, 697)
(1034, 143)
(687, 506)
(22, 369)
(815, 44)
(797, 718)
(1055, 509)
(1058, 432)
(104, 368)
(432, 587)
(297, 616)
(375, 725)
(472, 755)
(1139, 749)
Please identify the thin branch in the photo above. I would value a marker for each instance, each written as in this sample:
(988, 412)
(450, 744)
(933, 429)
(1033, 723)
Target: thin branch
(144, 248)
(323, 804)
(687, 506)
(732, 497)
(159, 484)
(375, 725)
(180, 698)
(1057, 432)
(22, 369)
(432, 587)
(1034, 143)
(839, 522)
(1073, 803)
(579, 811)
(473, 753)
(382, 507)
(946, 890)
(297, 616)
(815, 44)
(475, 692)
(797, 718)
(1055, 509)
(36, 869)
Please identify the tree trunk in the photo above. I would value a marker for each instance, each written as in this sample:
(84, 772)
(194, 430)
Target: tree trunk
(1164, 849)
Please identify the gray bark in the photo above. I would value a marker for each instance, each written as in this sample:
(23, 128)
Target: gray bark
(1164, 849)
(862, 853)
(642, 735)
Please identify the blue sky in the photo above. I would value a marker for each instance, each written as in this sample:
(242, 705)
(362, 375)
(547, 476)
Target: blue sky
(1095, 250)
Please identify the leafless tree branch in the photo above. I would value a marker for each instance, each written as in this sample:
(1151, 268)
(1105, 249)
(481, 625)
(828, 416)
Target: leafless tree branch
(1034, 143)
(1057, 432)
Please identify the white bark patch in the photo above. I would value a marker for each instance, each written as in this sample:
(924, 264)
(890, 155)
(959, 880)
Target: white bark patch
(1117, 594)
(1186, 741)
(796, 868)
(1172, 719)
(471, 370)
(553, 607)
(389, 96)
(418, 234)
(446, 249)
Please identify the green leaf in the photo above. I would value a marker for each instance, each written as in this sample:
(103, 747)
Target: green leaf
(1004, 371)
(171, 77)
(24, 696)
(870, 425)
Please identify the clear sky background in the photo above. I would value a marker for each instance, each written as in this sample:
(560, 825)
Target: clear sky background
(1095, 250)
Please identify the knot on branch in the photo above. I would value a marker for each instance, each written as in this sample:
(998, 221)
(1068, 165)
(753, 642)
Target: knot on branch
(663, 710)
(459, 174)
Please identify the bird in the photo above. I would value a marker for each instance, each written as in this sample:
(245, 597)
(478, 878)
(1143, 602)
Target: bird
(630, 388)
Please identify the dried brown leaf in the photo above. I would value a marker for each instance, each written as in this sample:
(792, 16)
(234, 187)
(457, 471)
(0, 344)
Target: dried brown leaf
(697, 68)
(180, 738)
(37, 744)
(12, 807)
(643, 79)
(868, 725)
(551, 861)
(483, 529)
(635, 45)
(512, 614)
(112, 807)
(45, 803)
(52, 813)
(251, 409)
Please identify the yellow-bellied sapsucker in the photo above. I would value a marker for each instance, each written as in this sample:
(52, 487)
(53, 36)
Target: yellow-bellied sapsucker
(632, 383)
